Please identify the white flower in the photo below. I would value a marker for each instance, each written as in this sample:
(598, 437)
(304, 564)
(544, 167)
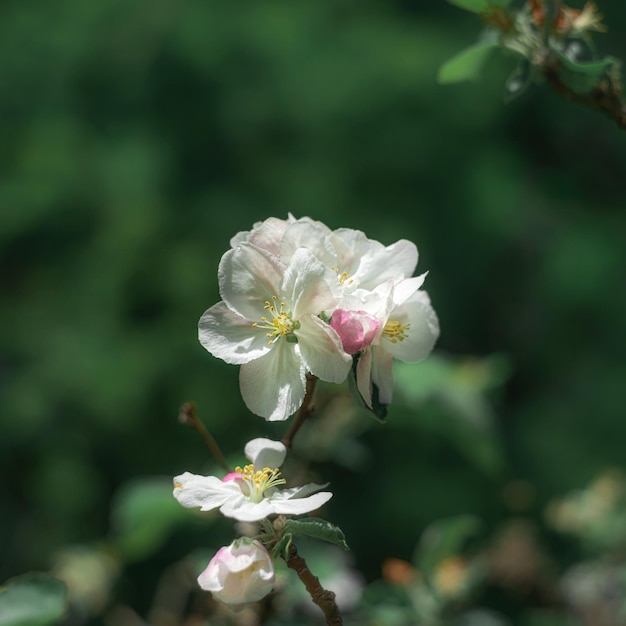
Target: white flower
(358, 262)
(238, 573)
(251, 493)
(407, 330)
(268, 322)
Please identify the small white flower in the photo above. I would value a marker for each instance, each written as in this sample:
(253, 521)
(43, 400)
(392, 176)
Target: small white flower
(268, 322)
(238, 573)
(251, 493)
(407, 330)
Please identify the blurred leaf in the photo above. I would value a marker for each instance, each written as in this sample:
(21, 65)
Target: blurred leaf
(458, 387)
(519, 80)
(144, 513)
(443, 539)
(317, 528)
(35, 599)
(583, 76)
(478, 6)
(467, 64)
(547, 618)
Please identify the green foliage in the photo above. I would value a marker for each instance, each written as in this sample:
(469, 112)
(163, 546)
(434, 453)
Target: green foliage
(444, 539)
(583, 76)
(478, 6)
(467, 64)
(144, 514)
(34, 599)
(318, 529)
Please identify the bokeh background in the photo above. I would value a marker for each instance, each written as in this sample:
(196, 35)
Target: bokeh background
(136, 138)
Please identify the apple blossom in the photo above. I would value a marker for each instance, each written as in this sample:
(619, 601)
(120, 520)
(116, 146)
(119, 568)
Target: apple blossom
(238, 573)
(356, 329)
(268, 322)
(408, 330)
(251, 493)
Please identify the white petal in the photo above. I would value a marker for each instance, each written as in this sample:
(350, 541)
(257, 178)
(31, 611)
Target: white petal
(306, 233)
(268, 235)
(423, 332)
(248, 277)
(301, 492)
(404, 289)
(205, 492)
(264, 452)
(298, 506)
(244, 510)
(309, 286)
(382, 374)
(321, 350)
(274, 385)
(228, 336)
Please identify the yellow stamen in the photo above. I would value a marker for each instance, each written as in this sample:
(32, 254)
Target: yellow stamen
(259, 481)
(281, 323)
(343, 278)
(394, 331)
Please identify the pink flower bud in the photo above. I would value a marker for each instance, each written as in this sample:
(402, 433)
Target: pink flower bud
(238, 573)
(356, 329)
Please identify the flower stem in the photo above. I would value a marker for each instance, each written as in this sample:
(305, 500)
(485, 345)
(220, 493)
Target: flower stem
(306, 410)
(322, 597)
(606, 96)
(187, 415)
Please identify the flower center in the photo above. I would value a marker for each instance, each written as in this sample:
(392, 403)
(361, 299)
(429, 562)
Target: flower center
(280, 323)
(394, 331)
(258, 481)
(343, 278)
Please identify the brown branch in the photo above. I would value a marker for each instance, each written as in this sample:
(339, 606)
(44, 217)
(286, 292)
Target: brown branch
(322, 597)
(306, 410)
(187, 415)
(606, 97)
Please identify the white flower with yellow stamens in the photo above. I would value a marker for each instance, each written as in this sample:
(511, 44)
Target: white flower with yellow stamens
(406, 329)
(268, 322)
(251, 493)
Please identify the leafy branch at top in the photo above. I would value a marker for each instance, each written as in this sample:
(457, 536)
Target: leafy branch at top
(552, 43)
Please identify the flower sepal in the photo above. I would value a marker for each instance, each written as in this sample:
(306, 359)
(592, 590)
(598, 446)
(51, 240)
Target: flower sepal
(377, 409)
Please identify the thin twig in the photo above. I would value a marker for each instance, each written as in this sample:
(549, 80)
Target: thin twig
(606, 96)
(322, 597)
(306, 410)
(187, 415)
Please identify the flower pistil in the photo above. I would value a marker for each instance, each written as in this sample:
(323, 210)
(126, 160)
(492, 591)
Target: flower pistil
(281, 324)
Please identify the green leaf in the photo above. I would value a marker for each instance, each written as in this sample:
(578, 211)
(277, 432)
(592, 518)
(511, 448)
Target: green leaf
(443, 539)
(467, 64)
(35, 599)
(456, 394)
(317, 528)
(478, 6)
(144, 513)
(583, 76)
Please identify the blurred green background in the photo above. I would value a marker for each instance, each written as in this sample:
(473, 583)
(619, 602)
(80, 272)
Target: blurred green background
(138, 137)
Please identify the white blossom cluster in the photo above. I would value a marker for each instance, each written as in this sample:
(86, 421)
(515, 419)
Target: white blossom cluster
(243, 571)
(299, 298)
